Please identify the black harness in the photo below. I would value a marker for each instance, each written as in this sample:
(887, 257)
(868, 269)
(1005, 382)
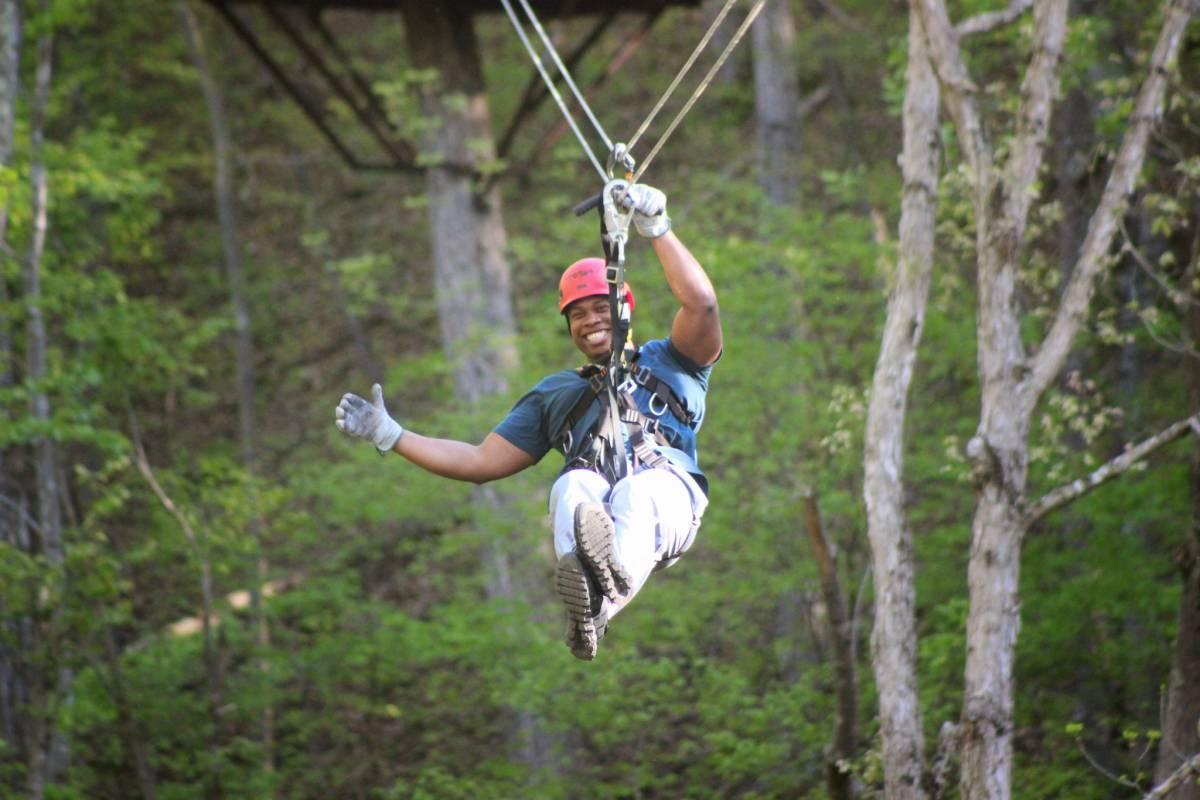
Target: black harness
(612, 385)
(602, 449)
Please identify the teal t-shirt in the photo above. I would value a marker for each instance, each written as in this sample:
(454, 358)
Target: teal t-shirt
(545, 407)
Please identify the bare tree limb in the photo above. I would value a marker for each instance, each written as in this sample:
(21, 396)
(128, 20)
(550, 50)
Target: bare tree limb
(1188, 769)
(958, 88)
(890, 536)
(1094, 254)
(989, 21)
(1038, 90)
(1177, 297)
(838, 13)
(1096, 765)
(1072, 491)
(811, 102)
(845, 683)
(943, 759)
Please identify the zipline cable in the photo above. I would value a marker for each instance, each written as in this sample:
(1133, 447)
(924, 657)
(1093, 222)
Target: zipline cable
(537, 26)
(537, 62)
(737, 37)
(683, 71)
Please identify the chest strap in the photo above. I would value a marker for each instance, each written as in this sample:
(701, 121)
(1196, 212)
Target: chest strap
(604, 452)
(663, 398)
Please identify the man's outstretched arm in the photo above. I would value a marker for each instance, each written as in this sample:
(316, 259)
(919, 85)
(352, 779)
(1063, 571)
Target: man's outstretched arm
(495, 457)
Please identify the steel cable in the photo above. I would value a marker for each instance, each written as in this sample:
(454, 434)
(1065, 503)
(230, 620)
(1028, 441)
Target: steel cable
(737, 37)
(541, 68)
(537, 26)
(712, 29)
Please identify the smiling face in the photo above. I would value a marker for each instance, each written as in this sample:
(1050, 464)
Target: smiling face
(591, 326)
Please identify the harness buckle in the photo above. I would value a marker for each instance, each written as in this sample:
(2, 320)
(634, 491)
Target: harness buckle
(657, 412)
(628, 385)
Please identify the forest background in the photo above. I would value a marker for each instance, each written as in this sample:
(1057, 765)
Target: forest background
(206, 591)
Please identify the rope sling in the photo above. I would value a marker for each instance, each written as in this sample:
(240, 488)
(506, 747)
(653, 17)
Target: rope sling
(615, 219)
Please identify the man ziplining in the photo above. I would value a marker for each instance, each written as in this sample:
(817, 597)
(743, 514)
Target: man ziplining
(631, 494)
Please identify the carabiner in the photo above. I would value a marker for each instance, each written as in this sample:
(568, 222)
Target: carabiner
(620, 155)
(616, 219)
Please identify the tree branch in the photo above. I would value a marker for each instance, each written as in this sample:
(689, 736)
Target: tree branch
(846, 710)
(1188, 769)
(1177, 297)
(991, 20)
(943, 759)
(834, 10)
(1038, 91)
(957, 86)
(1094, 254)
(1072, 491)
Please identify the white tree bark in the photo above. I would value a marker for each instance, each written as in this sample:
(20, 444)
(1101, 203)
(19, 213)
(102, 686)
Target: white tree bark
(1010, 384)
(894, 639)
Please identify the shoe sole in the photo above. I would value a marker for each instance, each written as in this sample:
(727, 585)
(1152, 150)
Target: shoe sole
(595, 543)
(575, 591)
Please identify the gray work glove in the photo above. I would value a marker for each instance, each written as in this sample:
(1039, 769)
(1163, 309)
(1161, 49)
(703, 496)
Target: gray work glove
(370, 421)
(649, 207)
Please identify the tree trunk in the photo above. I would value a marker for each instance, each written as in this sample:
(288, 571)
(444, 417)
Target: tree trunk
(471, 275)
(12, 688)
(1180, 739)
(224, 197)
(776, 100)
(51, 750)
(845, 719)
(894, 639)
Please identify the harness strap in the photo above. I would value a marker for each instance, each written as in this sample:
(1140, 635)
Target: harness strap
(665, 394)
(603, 451)
(598, 388)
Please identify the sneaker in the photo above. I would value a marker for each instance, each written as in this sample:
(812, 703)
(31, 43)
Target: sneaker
(586, 620)
(595, 543)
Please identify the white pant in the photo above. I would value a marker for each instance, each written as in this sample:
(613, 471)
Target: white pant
(655, 514)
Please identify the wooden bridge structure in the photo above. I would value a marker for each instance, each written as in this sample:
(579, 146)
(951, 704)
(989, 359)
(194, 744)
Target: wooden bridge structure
(266, 27)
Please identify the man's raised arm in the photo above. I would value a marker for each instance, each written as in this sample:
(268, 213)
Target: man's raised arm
(696, 331)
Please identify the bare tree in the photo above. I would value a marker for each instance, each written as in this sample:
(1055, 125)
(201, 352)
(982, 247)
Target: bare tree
(894, 639)
(1012, 378)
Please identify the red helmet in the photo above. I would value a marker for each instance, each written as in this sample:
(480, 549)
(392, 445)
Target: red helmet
(585, 278)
